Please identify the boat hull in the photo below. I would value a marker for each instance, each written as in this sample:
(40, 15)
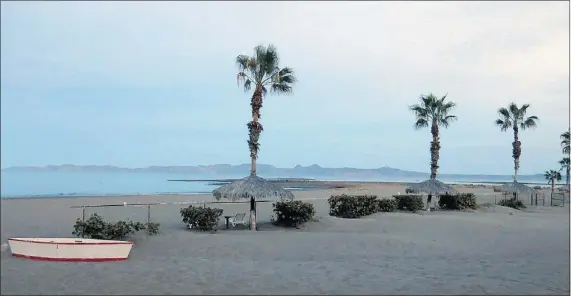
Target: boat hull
(70, 249)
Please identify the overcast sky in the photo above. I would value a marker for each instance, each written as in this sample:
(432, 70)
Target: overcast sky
(146, 83)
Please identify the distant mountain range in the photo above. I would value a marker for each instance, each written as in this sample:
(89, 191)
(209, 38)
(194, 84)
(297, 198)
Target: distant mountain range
(312, 171)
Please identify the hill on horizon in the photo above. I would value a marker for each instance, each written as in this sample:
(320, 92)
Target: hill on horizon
(312, 171)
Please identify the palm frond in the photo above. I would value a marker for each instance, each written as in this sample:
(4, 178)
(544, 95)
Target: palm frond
(279, 88)
(505, 121)
(564, 163)
(530, 122)
(514, 110)
(503, 112)
(420, 123)
(242, 62)
(445, 122)
(565, 143)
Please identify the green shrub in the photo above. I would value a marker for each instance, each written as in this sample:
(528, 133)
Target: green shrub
(345, 206)
(201, 218)
(458, 201)
(410, 191)
(512, 202)
(292, 213)
(96, 228)
(386, 205)
(409, 202)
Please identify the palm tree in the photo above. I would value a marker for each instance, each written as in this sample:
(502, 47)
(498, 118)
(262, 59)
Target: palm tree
(565, 143)
(514, 117)
(565, 166)
(433, 112)
(552, 176)
(261, 72)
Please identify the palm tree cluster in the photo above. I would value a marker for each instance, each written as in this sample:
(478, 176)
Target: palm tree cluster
(565, 149)
(262, 73)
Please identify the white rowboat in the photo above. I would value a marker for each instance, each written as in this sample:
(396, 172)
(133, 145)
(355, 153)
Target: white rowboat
(70, 249)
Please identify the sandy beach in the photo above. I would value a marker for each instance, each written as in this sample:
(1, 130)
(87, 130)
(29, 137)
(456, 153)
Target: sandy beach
(489, 251)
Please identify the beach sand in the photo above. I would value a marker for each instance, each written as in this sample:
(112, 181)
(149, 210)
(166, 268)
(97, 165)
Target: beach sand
(484, 252)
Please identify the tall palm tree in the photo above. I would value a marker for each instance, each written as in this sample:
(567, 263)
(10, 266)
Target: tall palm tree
(565, 166)
(552, 176)
(261, 72)
(515, 117)
(565, 147)
(433, 112)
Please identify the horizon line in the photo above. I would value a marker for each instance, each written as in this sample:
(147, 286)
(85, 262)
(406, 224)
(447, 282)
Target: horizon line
(241, 164)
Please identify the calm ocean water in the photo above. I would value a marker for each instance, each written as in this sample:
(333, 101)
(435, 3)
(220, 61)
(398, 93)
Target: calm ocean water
(38, 184)
(26, 184)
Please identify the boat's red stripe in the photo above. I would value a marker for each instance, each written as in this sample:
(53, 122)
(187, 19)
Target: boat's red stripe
(69, 243)
(69, 259)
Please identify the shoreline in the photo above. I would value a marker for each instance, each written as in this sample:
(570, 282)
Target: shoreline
(294, 185)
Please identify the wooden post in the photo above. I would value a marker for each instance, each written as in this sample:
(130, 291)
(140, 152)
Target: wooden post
(148, 213)
(252, 214)
(83, 214)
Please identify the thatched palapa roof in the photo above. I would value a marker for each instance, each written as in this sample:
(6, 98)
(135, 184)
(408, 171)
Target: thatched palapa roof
(517, 188)
(434, 187)
(252, 186)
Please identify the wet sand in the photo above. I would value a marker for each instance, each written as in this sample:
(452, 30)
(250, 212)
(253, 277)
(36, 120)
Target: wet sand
(484, 252)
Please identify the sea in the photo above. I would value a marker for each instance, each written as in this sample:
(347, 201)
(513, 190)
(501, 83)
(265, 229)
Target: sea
(70, 184)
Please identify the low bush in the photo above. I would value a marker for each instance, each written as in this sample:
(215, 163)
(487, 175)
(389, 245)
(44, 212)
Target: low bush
(512, 202)
(201, 218)
(386, 205)
(96, 228)
(345, 206)
(409, 202)
(458, 201)
(410, 191)
(292, 213)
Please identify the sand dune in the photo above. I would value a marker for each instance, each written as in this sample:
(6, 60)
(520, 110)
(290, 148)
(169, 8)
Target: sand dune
(484, 252)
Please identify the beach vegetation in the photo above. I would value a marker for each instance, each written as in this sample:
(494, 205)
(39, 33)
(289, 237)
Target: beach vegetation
(409, 202)
(351, 207)
(410, 190)
(459, 201)
(565, 167)
(565, 145)
(262, 73)
(516, 118)
(512, 202)
(552, 176)
(292, 213)
(386, 205)
(96, 228)
(201, 218)
(433, 112)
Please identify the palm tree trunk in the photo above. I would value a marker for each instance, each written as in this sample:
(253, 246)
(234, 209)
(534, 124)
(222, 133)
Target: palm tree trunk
(516, 151)
(567, 177)
(434, 150)
(552, 185)
(254, 129)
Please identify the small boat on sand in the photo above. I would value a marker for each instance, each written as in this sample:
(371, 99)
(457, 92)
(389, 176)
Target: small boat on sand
(70, 249)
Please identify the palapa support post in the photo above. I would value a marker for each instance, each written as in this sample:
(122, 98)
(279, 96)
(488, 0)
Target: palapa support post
(148, 213)
(253, 214)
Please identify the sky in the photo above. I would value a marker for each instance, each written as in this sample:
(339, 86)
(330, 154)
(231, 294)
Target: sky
(135, 84)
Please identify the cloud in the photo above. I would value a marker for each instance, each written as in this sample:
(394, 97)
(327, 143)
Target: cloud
(360, 64)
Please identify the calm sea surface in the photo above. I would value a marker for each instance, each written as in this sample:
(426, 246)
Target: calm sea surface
(65, 184)
(25, 184)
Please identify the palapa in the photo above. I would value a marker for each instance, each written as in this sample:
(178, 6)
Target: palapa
(432, 187)
(515, 187)
(254, 187)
